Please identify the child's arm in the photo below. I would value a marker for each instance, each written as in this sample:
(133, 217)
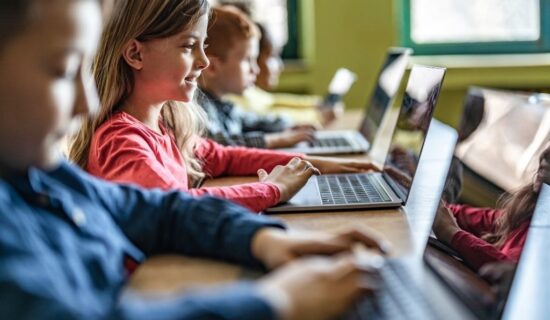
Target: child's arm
(128, 158)
(239, 161)
(174, 222)
(25, 298)
(248, 139)
(256, 196)
(252, 121)
(477, 221)
(477, 252)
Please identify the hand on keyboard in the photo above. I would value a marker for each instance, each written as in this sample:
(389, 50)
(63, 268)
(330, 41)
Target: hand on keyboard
(289, 138)
(289, 178)
(314, 288)
(275, 247)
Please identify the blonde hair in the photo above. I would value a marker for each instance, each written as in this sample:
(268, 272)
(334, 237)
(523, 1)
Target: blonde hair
(517, 208)
(144, 21)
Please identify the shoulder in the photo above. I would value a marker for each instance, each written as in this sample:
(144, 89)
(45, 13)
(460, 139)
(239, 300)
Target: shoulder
(123, 130)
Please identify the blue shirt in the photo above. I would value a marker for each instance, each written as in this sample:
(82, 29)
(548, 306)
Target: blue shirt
(64, 236)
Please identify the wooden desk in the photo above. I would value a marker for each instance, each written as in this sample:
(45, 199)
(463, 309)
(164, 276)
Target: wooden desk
(405, 228)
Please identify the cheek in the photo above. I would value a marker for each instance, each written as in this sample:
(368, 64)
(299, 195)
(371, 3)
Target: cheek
(62, 98)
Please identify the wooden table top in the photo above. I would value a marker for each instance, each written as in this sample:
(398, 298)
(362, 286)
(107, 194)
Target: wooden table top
(405, 228)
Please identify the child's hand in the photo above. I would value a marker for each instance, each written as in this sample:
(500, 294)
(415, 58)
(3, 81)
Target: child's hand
(289, 138)
(445, 225)
(336, 165)
(290, 178)
(275, 247)
(316, 288)
(329, 114)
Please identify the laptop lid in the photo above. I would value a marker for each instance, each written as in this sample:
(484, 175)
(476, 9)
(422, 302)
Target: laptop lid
(474, 292)
(387, 84)
(340, 84)
(407, 141)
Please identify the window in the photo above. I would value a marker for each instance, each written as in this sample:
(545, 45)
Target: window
(474, 26)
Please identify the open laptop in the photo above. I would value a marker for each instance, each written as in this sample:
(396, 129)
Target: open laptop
(402, 295)
(329, 142)
(391, 187)
(340, 84)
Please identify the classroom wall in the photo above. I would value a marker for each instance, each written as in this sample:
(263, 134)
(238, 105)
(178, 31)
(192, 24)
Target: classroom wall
(356, 33)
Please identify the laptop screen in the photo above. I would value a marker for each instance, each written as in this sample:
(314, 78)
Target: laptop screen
(389, 80)
(414, 119)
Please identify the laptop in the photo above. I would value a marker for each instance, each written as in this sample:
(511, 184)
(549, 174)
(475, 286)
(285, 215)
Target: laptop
(402, 294)
(340, 84)
(387, 188)
(329, 142)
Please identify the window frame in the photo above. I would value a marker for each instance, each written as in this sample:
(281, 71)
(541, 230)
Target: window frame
(498, 47)
(291, 51)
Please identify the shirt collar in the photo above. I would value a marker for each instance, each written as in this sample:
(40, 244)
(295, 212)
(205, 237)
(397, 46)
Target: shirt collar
(224, 106)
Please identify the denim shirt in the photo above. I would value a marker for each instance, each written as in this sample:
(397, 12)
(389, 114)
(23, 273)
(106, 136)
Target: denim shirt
(64, 237)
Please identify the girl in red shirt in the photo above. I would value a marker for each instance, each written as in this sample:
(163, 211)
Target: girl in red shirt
(486, 235)
(148, 129)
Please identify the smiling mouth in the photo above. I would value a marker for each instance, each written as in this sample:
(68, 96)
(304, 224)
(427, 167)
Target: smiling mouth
(192, 80)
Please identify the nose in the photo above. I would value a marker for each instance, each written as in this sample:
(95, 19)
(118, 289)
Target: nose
(254, 67)
(201, 60)
(87, 99)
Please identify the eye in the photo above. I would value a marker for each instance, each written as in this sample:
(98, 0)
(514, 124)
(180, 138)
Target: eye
(66, 70)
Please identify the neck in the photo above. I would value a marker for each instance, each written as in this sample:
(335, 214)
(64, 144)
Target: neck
(145, 110)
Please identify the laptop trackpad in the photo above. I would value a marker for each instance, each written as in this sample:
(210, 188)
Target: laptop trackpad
(307, 196)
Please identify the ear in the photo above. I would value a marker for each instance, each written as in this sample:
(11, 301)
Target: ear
(133, 54)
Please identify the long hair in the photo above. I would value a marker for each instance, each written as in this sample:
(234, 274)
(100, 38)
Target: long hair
(143, 21)
(516, 208)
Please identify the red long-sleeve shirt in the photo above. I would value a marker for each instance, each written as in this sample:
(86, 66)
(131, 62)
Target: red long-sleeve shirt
(125, 150)
(475, 222)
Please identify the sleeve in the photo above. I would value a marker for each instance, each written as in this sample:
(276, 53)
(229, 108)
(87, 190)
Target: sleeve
(252, 121)
(256, 196)
(238, 161)
(160, 222)
(128, 158)
(248, 139)
(475, 251)
(237, 301)
(477, 221)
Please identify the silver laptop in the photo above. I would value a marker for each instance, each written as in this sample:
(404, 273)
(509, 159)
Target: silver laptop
(358, 141)
(379, 189)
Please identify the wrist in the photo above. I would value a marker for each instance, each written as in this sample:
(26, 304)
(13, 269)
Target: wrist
(277, 298)
(283, 191)
(262, 243)
(272, 141)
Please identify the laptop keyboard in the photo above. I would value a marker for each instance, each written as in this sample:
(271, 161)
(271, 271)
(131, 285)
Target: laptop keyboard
(349, 189)
(396, 298)
(331, 142)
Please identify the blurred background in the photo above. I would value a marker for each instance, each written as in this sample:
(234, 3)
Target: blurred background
(491, 43)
